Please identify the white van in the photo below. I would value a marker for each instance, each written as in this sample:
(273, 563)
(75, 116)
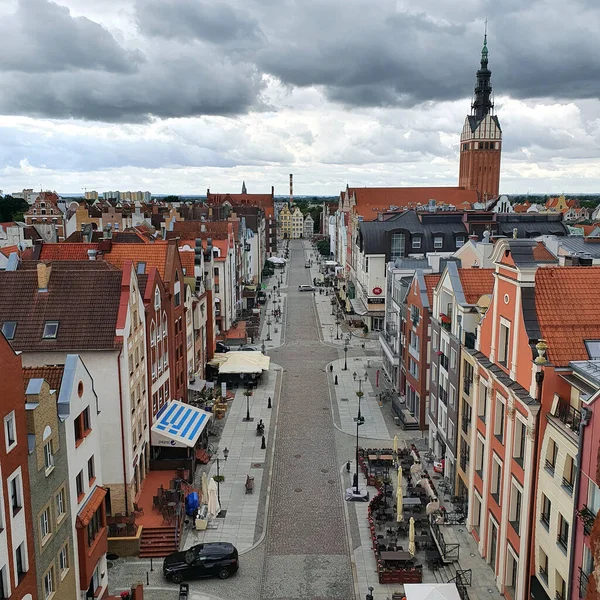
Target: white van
(306, 288)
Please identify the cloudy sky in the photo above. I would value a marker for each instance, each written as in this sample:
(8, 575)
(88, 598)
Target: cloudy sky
(177, 96)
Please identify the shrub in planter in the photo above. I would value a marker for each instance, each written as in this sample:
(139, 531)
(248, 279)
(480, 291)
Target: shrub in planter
(219, 478)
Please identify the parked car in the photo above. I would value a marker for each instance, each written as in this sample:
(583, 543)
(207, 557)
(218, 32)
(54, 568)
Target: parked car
(221, 347)
(306, 288)
(247, 349)
(307, 264)
(203, 560)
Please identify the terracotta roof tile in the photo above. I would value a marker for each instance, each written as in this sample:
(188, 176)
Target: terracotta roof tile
(369, 201)
(91, 506)
(431, 281)
(542, 254)
(53, 374)
(84, 302)
(558, 291)
(187, 261)
(476, 283)
(154, 255)
(8, 250)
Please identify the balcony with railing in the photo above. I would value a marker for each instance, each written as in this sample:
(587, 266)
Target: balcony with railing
(443, 395)
(467, 385)
(444, 360)
(567, 415)
(465, 421)
(445, 322)
(584, 579)
(390, 341)
(587, 517)
(464, 461)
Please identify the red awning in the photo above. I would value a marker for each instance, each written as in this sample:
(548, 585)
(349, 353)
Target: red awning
(88, 510)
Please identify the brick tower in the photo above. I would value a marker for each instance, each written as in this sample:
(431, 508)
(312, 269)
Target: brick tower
(481, 138)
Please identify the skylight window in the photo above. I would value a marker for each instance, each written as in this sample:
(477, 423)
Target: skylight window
(593, 348)
(50, 330)
(141, 268)
(8, 329)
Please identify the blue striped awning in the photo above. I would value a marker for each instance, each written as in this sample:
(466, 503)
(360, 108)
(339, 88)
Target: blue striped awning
(178, 425)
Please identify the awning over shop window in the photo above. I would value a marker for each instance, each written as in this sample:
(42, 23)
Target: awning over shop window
(241, 362)
(178, 425)
(358, 307)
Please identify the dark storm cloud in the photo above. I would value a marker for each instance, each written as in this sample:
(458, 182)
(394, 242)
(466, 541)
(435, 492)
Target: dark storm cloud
(42, 36)
(210, 21)
(204, 57)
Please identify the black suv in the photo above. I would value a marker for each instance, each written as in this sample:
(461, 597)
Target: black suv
(221, 347)
(203, 560)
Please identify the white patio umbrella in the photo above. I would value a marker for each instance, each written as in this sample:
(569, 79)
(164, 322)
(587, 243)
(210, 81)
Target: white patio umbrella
(411, 537)
(399, 493)
(395, 444)
(204, 488)
(213, 502)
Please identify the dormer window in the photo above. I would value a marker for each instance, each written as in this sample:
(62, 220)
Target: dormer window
(416, 243)
(8, 329)
(460, 241)
(141, 268)
(592, 347)
(50, 330)
(438, 242)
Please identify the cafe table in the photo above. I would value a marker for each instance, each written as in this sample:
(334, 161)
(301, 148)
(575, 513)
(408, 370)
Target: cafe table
(408, 501)
(398, 556)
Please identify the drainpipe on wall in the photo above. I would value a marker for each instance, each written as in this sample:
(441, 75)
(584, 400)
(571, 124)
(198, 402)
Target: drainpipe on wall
(582, 424)
(122, 433)
(539, 379)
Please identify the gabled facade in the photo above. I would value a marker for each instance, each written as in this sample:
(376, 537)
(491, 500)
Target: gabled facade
(47, 217)
(18, 575)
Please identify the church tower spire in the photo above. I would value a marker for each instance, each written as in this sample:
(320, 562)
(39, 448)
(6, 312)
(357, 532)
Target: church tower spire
(481, 138)
(482, 100)
(244, 191)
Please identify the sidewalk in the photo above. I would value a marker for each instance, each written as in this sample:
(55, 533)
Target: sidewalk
(245, 458)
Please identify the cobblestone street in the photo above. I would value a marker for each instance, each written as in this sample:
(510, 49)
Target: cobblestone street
(307, 551)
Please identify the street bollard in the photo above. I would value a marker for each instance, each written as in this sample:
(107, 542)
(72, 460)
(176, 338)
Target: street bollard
(151, 569)
(269, 403)
(336, 380)
(263, 445)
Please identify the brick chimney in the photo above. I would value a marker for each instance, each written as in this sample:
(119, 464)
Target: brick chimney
(43, 276)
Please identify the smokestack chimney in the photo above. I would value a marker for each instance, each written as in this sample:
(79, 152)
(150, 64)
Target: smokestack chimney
(43, 276)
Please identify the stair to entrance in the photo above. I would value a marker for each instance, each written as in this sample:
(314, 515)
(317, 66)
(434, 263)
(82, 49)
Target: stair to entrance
(158, 542)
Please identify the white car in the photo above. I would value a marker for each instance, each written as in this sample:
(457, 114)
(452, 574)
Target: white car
(306, 288)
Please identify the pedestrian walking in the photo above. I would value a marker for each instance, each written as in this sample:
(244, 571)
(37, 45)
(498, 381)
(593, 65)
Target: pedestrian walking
(348, 467)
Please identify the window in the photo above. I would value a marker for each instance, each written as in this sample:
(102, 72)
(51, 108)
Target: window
(157, 298)
(514, 516)
(141, 268)
(460, 241)
(50, 330)
(21, 560)
(451, 432)
(452, 397)
(453, 359)
(592, 347)
(63, 559)
(438, 241)
(130, 360)
(79, 486)
(216, 271)
(154, 403)
(482, 404)
(499, 419)
(91, 470)
(60, 505)
(86, 420)
(397, 246)
(543, 566)
(10, 431)
(562, 539)
(49, 583)
(476, 512)
(93, 527)
(3, 582)
(569, 474)
(503, 339)
(442, 418)
(16, 494)
(520, 438)
(496, 479)
(8, 329)
(593, 497)
(546, 511)
(512, 570)
(551, 453)
(45, 524)
(434, 340)
(561, 587)
(413, 368)
(48, 457)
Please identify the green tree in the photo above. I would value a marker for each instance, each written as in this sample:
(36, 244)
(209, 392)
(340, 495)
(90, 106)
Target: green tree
(12, 209)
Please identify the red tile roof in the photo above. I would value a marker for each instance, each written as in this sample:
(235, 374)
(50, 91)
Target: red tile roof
(66, 251)
(369, 201)
(203, 229)
(53, 374)
(154, 255)
(587, 229)
(8, 250)
(430, 282)
(476, 283)
(542, 254)
(84, 302)
(91, 506)
(566, 302)
(521, 208)
(187, 261)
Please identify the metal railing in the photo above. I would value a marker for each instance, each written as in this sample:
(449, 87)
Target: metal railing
(466, 421)
(544, 574)
(444, 361)
(587, 517)
(583, 583)
(562, 541)
(467, 383)
(449, 552)
(568, 485)
(550, 466)
(462, 579)
(569, 415)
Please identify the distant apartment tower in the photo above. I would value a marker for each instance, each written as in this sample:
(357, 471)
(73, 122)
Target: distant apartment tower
(91, 195)
(481, 138)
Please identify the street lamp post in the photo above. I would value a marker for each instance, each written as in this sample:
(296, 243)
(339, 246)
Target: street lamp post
(359, 421)
(346, 356)
(332, 305)
(248, 393)
(225, 455)
(360, 393)
(268, 329)
(331, 333)
(337, 328)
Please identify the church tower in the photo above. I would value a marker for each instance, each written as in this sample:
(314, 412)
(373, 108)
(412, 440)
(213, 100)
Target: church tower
(481, 138)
